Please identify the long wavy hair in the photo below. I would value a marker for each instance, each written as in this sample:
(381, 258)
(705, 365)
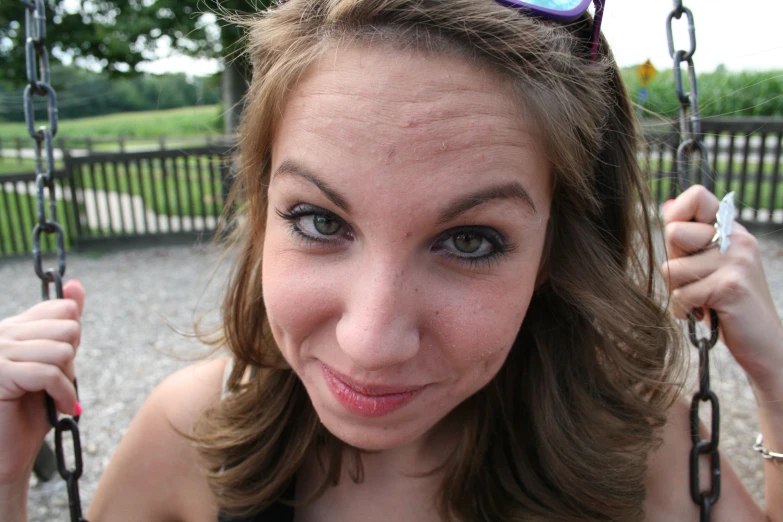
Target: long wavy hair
(564, 430)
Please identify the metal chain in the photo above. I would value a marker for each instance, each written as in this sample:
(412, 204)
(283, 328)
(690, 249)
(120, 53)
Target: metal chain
(691, 161)
(692, 164)
(37, 62)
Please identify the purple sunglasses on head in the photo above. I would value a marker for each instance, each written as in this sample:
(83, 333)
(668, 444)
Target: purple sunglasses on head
(562, 11)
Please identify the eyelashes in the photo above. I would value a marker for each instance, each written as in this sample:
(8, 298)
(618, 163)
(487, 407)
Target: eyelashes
(315, 224)
(472, 246)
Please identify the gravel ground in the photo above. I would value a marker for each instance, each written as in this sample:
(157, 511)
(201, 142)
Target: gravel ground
(137, 298)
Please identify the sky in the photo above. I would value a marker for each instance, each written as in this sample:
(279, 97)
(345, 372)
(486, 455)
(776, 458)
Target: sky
(741, 35)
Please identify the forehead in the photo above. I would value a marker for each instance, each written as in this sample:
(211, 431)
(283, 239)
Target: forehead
(404, 114)
(407, 90)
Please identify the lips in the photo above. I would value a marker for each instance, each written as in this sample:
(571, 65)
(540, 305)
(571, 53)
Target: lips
(365, 399)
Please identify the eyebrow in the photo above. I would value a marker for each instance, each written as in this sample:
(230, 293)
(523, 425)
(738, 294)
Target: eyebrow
(291, 167)
(460, 206)
(505, 191)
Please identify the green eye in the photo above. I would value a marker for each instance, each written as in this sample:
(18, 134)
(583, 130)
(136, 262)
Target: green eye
(468, 242)
(326, 226)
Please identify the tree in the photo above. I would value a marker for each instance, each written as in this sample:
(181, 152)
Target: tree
(119, 35)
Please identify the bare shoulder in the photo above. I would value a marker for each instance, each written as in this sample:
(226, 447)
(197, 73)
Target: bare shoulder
(668, 478)
(155, 473)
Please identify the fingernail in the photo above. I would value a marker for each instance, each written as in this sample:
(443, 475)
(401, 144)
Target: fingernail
(667, 204)
(77, 410)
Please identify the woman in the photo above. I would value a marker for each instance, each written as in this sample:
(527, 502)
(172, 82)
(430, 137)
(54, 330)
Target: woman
(444, 305)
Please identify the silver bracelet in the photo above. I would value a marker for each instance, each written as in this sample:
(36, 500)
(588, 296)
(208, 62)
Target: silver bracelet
(769, 455)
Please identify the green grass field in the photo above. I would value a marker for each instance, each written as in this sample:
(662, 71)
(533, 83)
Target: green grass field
(14, 166)
(174, 188)
(187, 121)
(17, 218)
(745, 199)
(187, 187)
(661, 188)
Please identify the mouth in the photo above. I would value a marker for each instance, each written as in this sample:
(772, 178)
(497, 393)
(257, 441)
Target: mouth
(368, 399)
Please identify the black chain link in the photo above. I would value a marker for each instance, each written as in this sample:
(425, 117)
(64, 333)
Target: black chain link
(37, 62)
(692, 166)
(691, 160)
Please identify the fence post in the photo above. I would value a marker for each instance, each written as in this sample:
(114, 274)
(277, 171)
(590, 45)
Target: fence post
(19, 149)
(227, 171)
(88, 145)
(76, 233)
(121, 140)
(162, 142)
(226, 175)
(63, 146)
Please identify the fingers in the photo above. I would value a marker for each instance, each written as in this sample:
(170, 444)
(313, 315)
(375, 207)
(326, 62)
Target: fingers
(713, 280)
(45, 351)
(686, 238)
(63, 330)
(37, 349)
(702, 293)
(74, 291)
(52, 309)
(685, 270)
(697, 204)
(21, 378)
(691, 284)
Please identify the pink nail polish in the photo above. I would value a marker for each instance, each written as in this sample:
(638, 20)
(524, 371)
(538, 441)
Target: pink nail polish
(667, 204)
(77, 410)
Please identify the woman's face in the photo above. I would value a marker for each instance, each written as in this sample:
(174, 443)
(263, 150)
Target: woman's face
(408, 207)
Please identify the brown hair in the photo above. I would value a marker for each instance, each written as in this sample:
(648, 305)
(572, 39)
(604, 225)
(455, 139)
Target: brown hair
(564, 430)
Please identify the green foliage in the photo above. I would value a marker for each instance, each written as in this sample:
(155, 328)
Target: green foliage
(82, 93)
(721, 93)
(118, 35)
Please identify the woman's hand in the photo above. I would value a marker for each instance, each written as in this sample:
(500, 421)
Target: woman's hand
(37, 348)
(733, 284)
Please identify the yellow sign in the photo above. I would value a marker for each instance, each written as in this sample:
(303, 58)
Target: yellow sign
(646, 72)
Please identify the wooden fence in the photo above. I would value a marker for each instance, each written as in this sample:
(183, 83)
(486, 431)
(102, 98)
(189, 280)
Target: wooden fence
(122, 196)
(745, 156)
(159, 194)
(18, 150)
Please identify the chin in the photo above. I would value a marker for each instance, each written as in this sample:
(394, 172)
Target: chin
(373, 434)
(368, 437)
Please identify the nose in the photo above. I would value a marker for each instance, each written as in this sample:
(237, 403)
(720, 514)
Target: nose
(378, 327)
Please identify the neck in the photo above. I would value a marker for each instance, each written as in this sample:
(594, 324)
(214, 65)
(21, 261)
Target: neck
(405, 480)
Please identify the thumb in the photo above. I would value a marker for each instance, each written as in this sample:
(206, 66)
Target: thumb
(73, 289)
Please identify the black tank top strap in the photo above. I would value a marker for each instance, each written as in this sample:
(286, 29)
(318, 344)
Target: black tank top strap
(277, 512)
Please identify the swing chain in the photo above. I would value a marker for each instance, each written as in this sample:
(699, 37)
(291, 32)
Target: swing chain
(691, 155)
(692, 158)
(38, 78)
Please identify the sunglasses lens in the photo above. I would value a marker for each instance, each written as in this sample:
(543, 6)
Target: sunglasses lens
(561, 10)
(555, 5)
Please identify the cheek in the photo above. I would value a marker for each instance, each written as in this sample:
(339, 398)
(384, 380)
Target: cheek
(302, 295)
(477, 335)
(289, 289)
(298, 296)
